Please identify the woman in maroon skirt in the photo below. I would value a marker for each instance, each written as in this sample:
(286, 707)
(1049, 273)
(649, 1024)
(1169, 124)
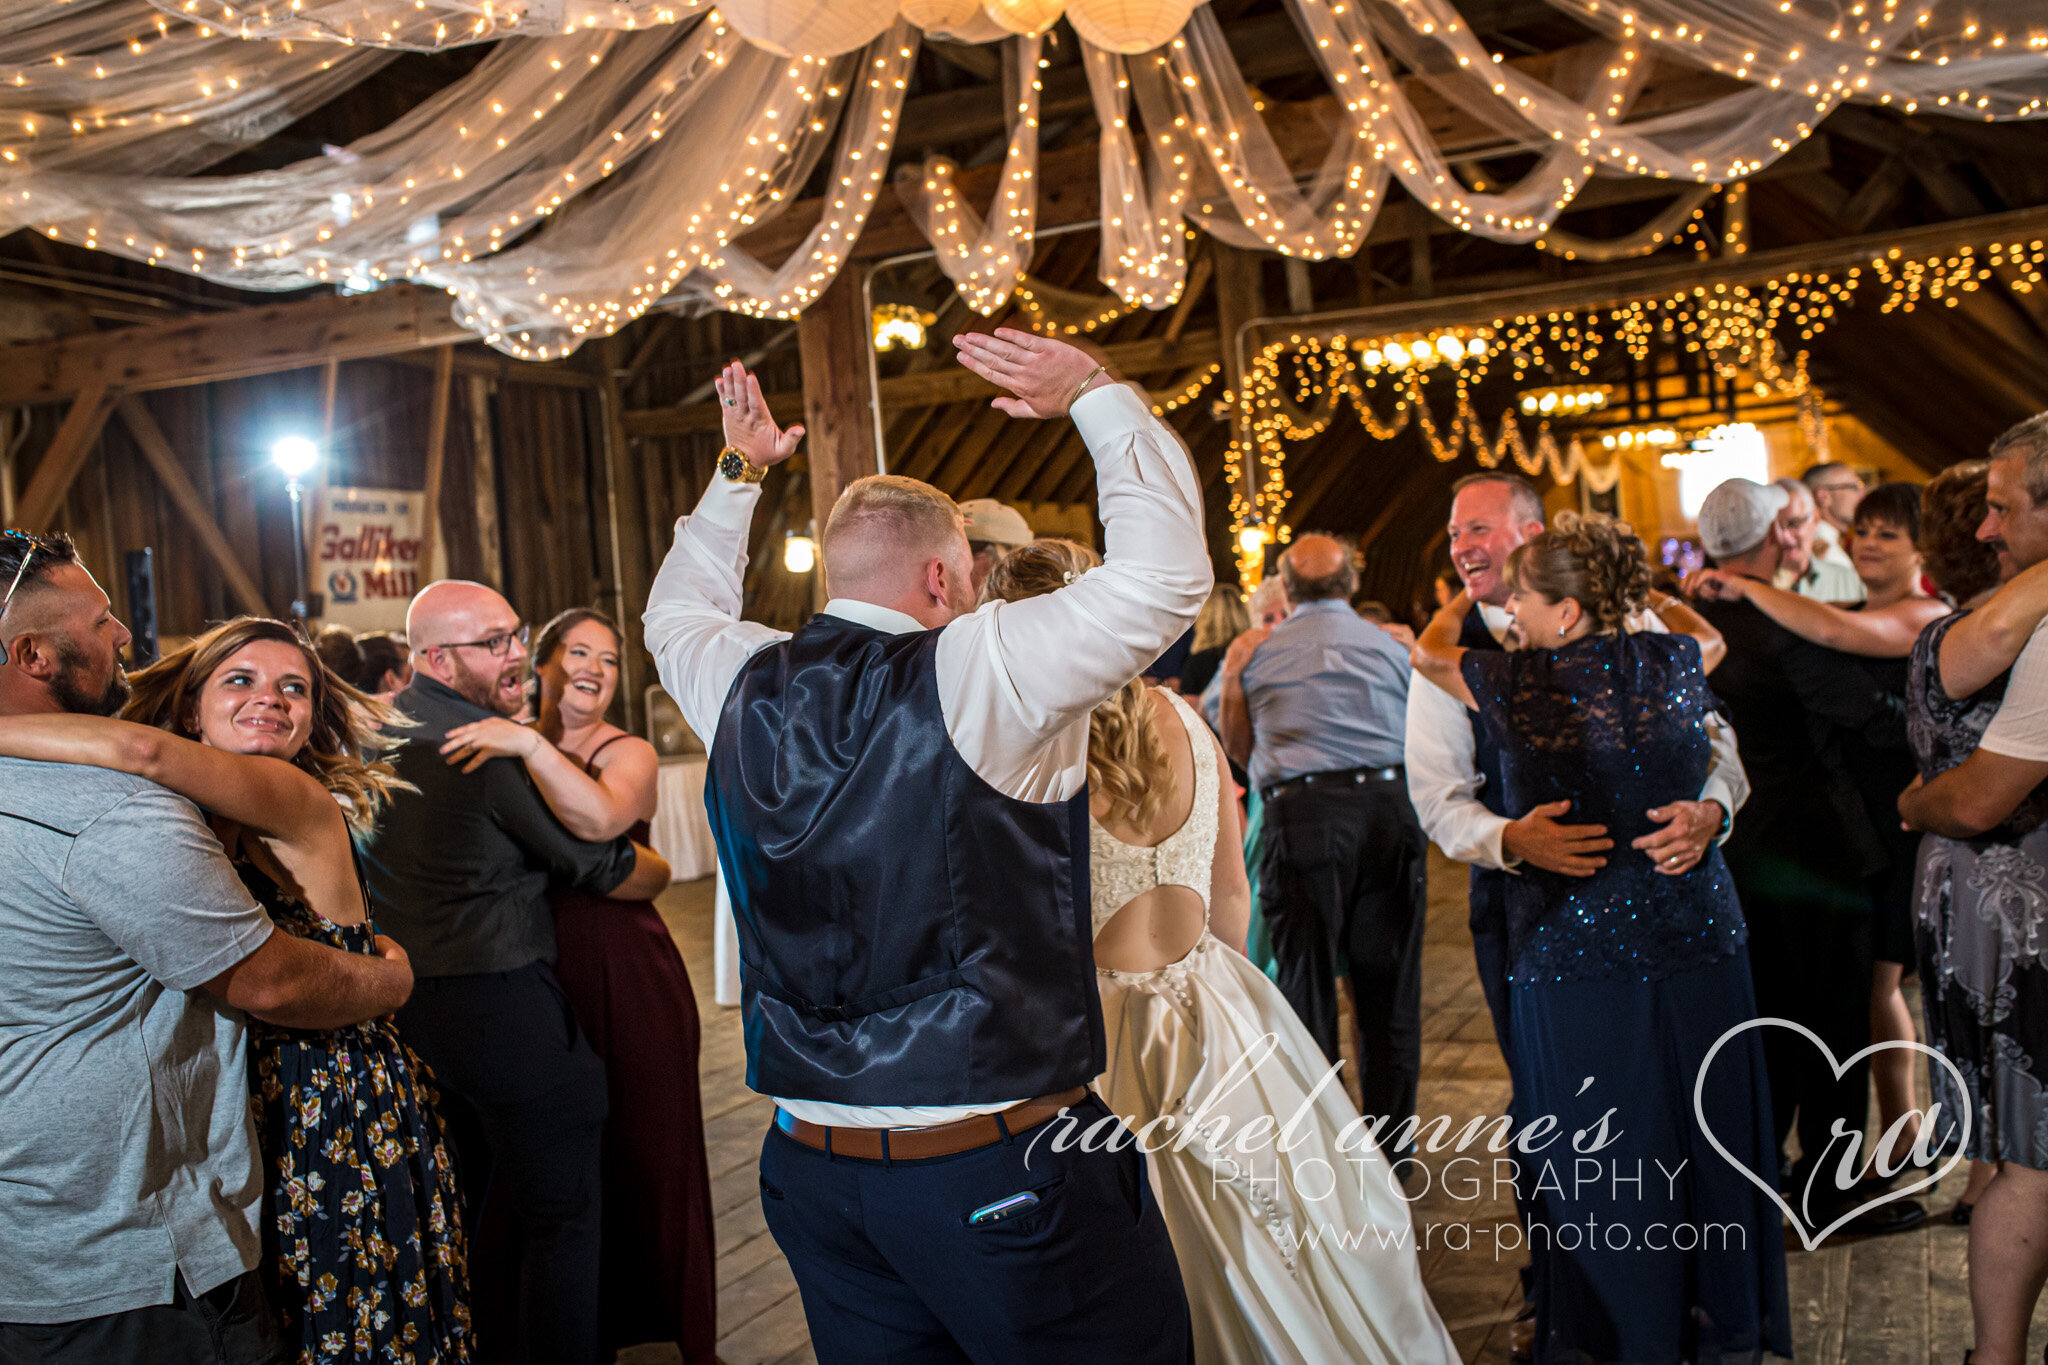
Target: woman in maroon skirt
(630, 991)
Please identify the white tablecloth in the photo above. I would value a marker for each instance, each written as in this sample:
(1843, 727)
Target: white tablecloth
(682, 832)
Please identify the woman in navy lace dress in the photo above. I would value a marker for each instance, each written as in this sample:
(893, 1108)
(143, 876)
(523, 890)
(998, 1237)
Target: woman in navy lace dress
(1648, 1246)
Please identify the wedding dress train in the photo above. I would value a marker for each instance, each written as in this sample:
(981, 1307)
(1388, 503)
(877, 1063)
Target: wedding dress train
(1293, 1237)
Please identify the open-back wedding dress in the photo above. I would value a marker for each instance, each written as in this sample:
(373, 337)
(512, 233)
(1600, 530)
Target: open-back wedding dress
(1301, 1256)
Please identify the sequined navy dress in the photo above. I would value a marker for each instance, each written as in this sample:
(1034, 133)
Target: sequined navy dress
(1621, 983)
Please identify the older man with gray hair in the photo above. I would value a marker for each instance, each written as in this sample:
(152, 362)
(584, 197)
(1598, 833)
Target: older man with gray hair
(1316, 706)
(1801, 569)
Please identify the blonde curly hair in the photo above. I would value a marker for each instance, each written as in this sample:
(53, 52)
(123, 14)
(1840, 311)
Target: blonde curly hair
(1597, 561)
(1127, 764)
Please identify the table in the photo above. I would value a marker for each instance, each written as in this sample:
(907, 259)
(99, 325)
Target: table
(682, 834)
(682, 831)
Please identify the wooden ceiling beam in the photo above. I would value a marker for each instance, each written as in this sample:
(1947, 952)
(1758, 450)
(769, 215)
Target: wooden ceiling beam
(76, 436)
(236, 345)
(948, 385)
(1604, 288)
(191, 504)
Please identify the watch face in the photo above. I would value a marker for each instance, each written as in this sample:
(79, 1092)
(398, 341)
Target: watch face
(732, 464)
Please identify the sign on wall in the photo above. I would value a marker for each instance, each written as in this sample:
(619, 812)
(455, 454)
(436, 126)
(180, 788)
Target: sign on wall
(365, 548)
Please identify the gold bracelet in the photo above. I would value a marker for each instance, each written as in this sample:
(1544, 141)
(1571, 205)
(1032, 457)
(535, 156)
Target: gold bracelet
(1083, 386)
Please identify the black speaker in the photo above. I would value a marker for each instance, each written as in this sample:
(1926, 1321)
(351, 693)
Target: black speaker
(142, 606)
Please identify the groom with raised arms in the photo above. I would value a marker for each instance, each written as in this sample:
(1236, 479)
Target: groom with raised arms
(899, 796)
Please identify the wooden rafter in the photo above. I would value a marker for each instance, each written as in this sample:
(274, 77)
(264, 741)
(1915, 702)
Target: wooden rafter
(66, 455)
(1611, 287)
(952, 384)
(191, 505)
(236, 345)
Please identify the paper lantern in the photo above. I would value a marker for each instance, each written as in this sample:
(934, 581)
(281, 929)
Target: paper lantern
(976, 28)
(937, 16)
(1025, 17)
(812, 28)
(1129, 26)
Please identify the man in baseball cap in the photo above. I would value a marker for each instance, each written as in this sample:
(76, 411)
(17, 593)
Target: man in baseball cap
(1737, 518)
(1802, 854)
(993, 530)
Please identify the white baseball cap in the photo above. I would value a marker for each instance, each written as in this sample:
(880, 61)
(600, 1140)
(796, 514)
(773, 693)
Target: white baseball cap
(1737, 515)
(995, 523)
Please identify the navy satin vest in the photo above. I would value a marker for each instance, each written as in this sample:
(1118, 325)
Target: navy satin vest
(1489, 885)
(908, 934)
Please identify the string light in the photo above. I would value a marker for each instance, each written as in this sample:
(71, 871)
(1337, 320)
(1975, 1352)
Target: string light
(1564, 402)
(1189, 392)
(501, 175)
(1294, 389)
(901, 324)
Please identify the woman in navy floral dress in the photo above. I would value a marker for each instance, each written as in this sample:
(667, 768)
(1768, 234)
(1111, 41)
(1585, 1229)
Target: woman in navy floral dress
(364, 1256)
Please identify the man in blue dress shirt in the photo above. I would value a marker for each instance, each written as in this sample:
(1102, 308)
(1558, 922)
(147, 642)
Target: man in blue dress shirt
(1317, 708)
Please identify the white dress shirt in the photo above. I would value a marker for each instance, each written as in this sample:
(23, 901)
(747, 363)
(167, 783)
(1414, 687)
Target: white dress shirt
(1017, 681)
(1443, 765)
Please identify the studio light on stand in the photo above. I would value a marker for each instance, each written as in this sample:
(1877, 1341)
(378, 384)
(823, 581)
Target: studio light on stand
(295, 457)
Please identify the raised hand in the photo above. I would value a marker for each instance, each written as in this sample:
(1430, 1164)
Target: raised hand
(749, 426)
(1045, 375)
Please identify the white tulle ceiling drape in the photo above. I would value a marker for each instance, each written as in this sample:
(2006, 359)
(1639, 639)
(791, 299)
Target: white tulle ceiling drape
(609, 157)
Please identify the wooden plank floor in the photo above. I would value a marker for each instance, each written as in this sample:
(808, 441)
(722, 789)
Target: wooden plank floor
(1886, 1301)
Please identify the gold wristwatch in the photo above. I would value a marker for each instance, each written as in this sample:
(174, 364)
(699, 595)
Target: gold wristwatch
(738, 468)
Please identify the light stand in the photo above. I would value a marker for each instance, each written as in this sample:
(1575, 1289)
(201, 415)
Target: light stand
(296, 456)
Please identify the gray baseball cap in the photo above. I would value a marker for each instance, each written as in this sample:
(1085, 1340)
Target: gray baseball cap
(1737, 515)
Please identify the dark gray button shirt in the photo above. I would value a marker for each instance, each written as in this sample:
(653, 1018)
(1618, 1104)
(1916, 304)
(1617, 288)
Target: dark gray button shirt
(1327, 690)
(459, 870)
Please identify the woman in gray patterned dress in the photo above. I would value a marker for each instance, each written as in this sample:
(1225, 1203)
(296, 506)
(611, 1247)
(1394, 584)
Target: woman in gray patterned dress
(1982, 907)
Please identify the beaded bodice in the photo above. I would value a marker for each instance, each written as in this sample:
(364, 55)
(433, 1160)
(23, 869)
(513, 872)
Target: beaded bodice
(1119, 873)
(1616, 725)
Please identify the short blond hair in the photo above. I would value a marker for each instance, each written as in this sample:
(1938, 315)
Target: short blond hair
(881, 515)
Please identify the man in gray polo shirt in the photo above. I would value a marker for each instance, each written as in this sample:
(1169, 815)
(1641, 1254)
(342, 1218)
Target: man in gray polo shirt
(1317, 707)
(129, 1180)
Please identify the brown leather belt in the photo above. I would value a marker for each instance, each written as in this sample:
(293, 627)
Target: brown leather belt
(918, 1144)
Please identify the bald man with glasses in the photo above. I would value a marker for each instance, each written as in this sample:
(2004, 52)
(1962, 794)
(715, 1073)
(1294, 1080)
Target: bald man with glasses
(459, 873)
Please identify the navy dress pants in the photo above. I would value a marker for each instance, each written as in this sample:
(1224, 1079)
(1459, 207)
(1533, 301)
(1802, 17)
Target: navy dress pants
(891, 1271)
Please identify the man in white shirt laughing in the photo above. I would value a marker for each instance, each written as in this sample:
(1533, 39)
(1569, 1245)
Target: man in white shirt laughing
(899, 794)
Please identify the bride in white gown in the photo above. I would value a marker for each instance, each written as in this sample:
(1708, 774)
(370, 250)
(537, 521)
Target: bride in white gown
(1302, 1256)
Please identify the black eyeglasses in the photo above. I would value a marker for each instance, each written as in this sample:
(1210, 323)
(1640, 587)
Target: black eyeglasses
(498, 646)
